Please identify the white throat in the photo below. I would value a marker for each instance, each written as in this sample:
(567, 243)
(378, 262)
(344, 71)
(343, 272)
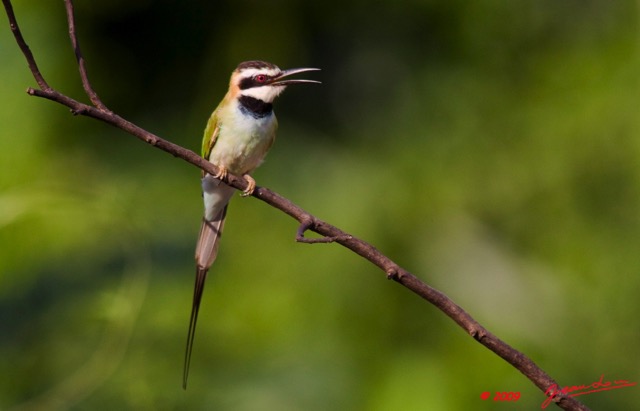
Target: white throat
(264, 93)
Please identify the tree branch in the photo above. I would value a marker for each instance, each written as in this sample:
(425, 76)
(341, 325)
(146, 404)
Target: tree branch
(93, 96)
(307, 221)
(13, 24)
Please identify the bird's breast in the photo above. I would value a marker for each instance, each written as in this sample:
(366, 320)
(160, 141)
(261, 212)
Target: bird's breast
(243, 141)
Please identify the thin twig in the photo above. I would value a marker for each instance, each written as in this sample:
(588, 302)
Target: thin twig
(93, 96)
(15, 29)
(307, 221)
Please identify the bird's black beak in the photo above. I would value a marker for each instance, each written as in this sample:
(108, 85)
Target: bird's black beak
(277, 81)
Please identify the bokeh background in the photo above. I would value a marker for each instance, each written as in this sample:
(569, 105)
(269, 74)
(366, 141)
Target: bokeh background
(492, 148)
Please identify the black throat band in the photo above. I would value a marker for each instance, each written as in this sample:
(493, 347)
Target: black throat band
(255, 107)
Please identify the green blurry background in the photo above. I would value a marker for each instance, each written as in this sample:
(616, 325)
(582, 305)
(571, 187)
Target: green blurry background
(492, 148)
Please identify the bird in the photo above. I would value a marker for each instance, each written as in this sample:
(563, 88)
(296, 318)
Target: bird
(238, 135)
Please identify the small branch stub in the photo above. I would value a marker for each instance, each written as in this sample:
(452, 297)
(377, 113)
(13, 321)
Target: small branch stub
(308, 223)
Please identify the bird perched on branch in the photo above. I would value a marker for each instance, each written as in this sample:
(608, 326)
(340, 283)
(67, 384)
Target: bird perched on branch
(237, 138)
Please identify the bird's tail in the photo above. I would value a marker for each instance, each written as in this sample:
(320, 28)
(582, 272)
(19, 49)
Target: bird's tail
(206, 252)
(209, 240)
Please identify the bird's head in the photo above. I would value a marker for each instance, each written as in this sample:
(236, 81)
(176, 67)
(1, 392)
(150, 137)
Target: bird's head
(263, 81)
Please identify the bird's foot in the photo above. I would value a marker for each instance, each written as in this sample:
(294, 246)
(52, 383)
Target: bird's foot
(251, 185)
(222, 173)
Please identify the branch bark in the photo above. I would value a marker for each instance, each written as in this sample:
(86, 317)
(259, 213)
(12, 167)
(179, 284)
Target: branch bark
(307, 221)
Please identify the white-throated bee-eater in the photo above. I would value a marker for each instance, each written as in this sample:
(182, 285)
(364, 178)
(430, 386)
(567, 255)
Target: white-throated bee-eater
(238, 135)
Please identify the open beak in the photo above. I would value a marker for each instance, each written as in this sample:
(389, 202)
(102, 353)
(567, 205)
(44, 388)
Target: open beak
(286, 73)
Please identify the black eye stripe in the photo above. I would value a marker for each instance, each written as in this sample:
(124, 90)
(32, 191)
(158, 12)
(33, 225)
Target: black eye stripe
(251, 82)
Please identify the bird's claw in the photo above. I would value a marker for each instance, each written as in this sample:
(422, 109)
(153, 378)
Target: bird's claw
(251, 185)
(222, 173)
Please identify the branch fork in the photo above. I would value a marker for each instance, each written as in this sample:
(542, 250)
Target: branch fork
(308, 223)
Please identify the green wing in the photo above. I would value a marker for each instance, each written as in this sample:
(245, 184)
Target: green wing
(211, 133)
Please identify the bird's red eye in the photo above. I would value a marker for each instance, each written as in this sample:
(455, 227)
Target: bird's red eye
(261, 78)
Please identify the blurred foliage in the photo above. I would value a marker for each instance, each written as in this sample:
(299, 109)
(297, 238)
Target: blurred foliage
(489, 147)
